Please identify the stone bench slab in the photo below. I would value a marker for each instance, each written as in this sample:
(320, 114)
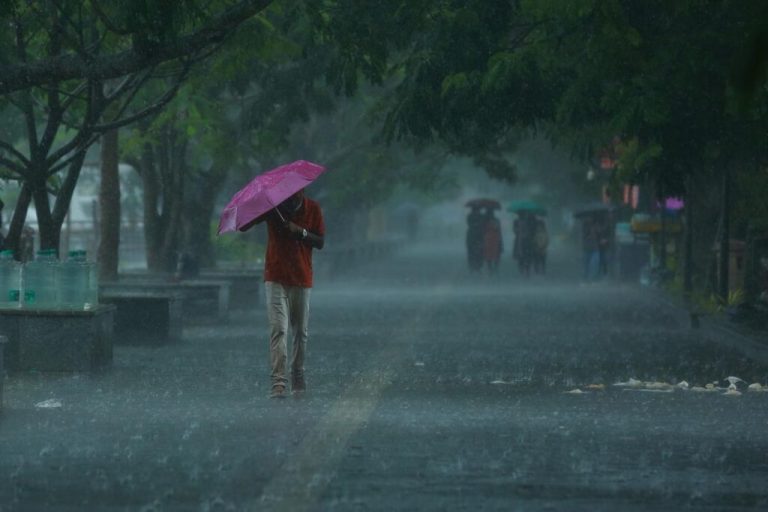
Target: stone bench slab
(58, 340)
(145, 317)
(244, 284)
(201, 300)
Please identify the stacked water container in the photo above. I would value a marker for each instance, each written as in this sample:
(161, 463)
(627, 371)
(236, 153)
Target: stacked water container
(46, 283)
(73, 281)
(10, 281)
(40, 281)
(93, 285)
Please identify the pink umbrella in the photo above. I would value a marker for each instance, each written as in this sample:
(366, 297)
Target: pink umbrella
(266, 191)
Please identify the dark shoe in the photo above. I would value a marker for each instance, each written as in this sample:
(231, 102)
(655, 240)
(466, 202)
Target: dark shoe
(278, 392)
(298, 385)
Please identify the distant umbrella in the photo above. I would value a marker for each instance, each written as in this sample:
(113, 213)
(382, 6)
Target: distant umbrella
(526, 205)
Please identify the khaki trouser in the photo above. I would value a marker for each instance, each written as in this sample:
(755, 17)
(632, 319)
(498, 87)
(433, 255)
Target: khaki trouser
(287, 306)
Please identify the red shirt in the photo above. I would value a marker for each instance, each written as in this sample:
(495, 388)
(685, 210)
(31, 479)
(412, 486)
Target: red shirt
(289, 260)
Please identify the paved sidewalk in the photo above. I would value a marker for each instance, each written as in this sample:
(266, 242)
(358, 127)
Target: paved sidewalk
(753, 344)
(429, 389)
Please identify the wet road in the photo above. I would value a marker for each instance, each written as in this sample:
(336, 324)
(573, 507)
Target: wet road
(428, 390)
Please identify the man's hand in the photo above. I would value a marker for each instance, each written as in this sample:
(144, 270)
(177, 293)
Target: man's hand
(297, 231)
(294, 228)
(307, 237)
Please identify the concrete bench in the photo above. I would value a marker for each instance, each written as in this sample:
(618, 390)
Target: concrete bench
(244, 284)
(58, 340)
(200, 300)
(206, 296)
(145, 317)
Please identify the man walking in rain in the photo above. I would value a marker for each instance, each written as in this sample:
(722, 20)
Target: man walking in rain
(294, 229)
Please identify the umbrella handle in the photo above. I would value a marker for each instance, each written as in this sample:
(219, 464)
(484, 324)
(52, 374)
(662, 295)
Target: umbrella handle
(278, 211)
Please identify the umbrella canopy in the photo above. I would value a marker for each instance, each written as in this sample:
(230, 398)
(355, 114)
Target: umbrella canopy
(590, 209)
(266, 191)
(483, 202)
(526, 205)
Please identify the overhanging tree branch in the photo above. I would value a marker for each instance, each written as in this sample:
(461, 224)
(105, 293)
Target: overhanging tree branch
(26, 96)
(111, 26)
(68, 187)
(89, 134)
(152, 109)
(95, 106)
(15, 152)
(72, 66)
(67, 161)
(55, 113)
(14, 166)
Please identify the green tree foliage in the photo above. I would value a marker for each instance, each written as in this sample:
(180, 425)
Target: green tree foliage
(72, 70)
(226, 122)
(670, 77)
(458, 77)
(656, 73)
(363, 169)
(108, 39)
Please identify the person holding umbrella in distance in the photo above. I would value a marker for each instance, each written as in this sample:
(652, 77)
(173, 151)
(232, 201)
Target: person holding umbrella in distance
(295, 228)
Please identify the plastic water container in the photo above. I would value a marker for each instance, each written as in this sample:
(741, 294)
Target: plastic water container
(92, 297)
(73, 281)
(10, 281)
(40, 281)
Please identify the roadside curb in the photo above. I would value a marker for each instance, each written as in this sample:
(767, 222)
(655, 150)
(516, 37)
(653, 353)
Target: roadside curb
(751, 345)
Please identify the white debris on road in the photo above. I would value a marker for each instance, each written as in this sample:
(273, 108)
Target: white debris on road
(633, 383)
(699, 389)
(712, 387)
(51, 403)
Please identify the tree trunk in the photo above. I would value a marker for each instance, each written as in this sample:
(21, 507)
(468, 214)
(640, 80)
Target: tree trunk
(198, 212)
(13, 240)
(162, 176)
(109, 207)
(663, 233)
(173, 198)
(723, 285)
(688, 254)
(150, 192)
(48, 231)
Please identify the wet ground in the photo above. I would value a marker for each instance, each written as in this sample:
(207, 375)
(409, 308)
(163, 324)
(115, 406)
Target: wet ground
(429, 389)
